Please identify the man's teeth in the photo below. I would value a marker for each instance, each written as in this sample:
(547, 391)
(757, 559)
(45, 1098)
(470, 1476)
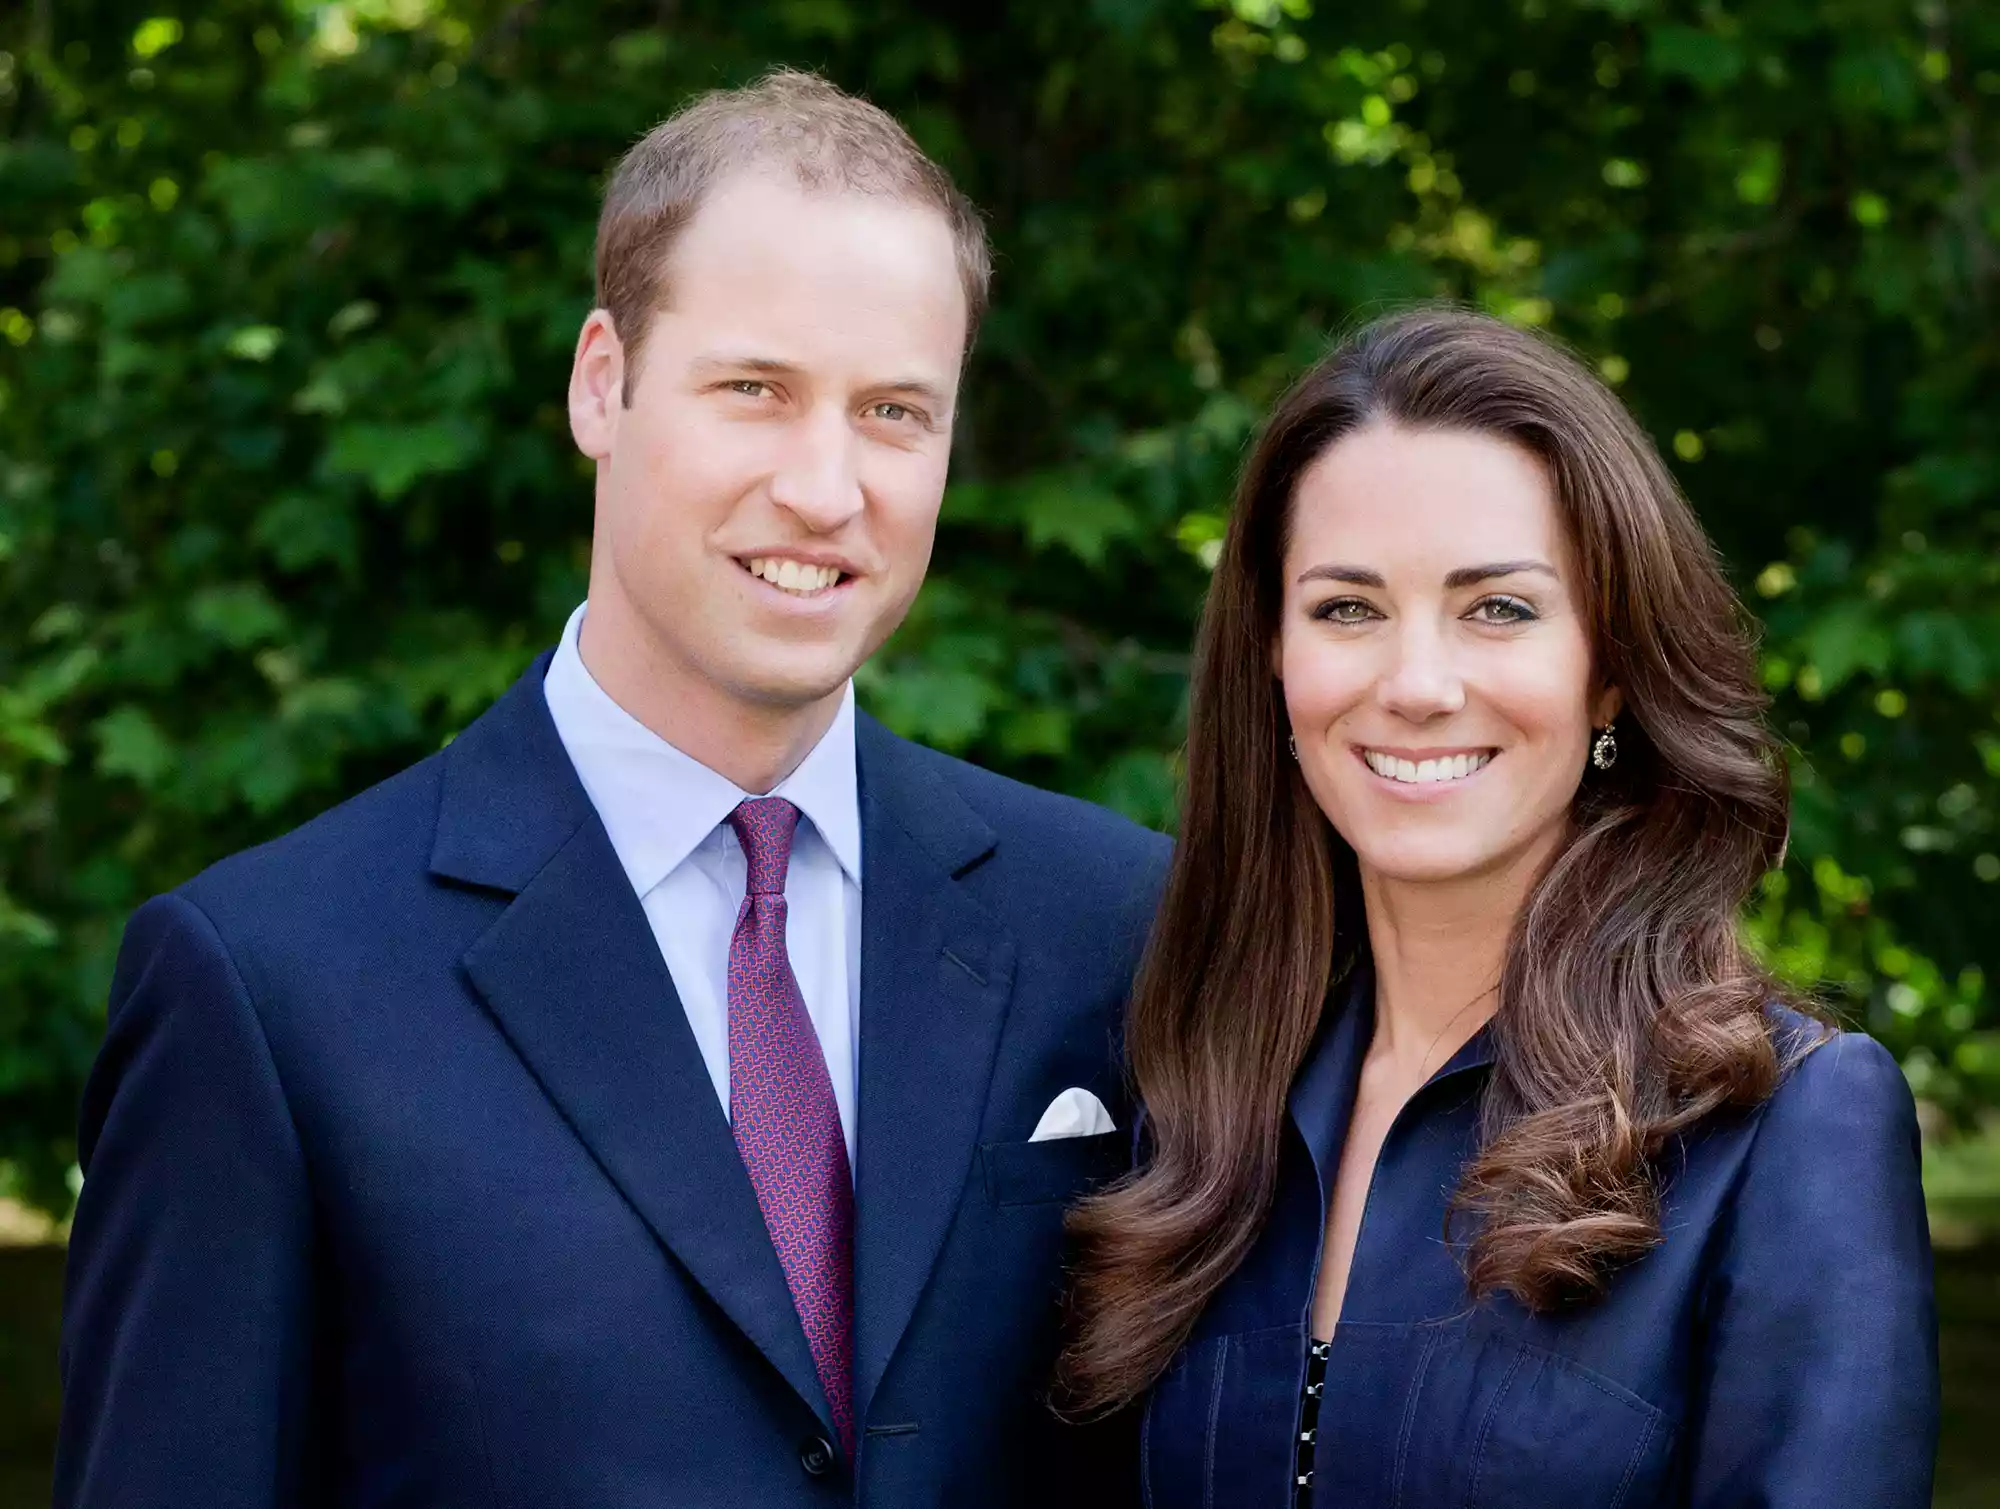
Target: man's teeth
(1425, 772)
(793, 576)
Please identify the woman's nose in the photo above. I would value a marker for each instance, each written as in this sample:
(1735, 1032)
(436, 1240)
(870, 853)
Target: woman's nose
(1421, 682)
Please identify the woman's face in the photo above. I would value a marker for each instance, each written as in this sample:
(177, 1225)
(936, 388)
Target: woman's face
(1434, 654)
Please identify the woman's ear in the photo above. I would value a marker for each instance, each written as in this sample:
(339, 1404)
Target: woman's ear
(1610, 702)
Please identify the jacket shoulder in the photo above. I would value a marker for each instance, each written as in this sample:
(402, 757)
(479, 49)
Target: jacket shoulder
(376, 842)
(1026, 815)
(1839, 1089)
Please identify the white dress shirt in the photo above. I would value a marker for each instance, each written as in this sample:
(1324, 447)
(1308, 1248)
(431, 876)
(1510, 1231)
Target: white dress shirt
(665, 813)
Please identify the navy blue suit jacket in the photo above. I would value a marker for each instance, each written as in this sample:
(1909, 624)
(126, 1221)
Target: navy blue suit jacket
(406, 1184)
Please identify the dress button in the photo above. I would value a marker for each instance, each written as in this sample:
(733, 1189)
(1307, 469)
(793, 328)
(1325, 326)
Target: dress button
(816, 1456)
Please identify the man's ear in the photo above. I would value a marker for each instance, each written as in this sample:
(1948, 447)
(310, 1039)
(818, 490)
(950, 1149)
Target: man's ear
(596, 385)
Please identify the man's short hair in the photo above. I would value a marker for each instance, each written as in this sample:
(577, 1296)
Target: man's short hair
(787, 120)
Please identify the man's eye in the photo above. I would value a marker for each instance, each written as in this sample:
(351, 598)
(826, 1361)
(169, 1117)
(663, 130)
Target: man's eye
(1344, 610)
(1503, 610)
(895, 413)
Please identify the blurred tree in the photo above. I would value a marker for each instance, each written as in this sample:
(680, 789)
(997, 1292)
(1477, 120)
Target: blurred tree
(288, 290)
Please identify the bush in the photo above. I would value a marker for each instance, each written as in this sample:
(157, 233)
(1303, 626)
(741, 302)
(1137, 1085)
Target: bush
(288, 290)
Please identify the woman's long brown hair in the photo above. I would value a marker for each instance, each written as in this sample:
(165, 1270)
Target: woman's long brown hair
(1629, 1009)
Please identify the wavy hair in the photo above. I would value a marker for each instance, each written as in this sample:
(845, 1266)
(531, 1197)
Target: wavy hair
(1629, 1007)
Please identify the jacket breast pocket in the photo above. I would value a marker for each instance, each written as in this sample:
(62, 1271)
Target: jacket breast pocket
(1501, 1425)
(1058, 1169)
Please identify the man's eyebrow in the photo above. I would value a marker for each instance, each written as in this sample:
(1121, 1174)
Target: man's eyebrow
(770, 365)
(1463, 576)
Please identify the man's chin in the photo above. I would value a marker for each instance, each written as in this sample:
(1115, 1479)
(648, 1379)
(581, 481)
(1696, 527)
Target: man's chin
(781, 672)
(795, 687)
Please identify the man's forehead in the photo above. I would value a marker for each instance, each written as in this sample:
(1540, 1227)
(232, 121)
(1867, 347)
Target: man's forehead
(759, 215)
(819, 280)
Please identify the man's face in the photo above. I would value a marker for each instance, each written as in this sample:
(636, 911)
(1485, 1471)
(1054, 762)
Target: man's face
(767, 499)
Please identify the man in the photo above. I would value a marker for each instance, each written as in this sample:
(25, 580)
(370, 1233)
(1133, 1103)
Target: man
(656, 1097)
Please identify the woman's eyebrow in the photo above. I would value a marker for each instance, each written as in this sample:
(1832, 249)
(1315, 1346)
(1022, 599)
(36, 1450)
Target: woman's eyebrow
(1463, 576)
(1466, 576)
(1354, 576)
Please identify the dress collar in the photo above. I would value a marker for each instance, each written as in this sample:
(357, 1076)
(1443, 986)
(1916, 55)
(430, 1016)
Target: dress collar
(1323, 1091)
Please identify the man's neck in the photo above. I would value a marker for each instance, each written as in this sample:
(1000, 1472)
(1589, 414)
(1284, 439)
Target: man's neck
(754, 745)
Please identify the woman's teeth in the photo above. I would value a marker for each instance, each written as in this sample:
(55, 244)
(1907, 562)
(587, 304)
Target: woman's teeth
(1425, 772)
(793, 576)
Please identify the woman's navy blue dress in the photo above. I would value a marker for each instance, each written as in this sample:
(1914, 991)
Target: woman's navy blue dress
(1778, 1350)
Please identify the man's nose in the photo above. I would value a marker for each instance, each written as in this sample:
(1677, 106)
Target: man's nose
(1421, 681)
(818, 479)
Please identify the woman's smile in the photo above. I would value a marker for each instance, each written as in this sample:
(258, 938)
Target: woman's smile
(1426, 771)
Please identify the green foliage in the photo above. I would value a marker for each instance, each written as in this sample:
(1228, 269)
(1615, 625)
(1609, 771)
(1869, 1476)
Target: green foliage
(288, 289)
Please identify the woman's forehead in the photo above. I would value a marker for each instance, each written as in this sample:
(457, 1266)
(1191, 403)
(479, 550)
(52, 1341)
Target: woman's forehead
(1389, 497)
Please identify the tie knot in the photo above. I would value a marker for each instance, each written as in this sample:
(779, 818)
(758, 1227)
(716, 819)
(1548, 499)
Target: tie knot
(764, 826)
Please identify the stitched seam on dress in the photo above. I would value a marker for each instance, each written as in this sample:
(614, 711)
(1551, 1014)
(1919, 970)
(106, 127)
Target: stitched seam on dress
(1146, 1455)
(1486, 1428)
(476, 1397)
(1410, 1416)
(1632, 1467)
(1630, 1401)
(1214, 1414)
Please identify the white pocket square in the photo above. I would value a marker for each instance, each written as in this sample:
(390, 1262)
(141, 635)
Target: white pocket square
(1074, 1113)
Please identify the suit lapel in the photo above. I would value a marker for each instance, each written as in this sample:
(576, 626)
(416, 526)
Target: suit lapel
(574, 978)
(936, 976)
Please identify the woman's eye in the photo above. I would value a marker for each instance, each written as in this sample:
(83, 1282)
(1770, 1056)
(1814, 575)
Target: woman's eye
(749, 387)
(1344, 610)
(1502, 610)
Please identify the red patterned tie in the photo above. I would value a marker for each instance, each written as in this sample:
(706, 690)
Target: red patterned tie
(782, 1111)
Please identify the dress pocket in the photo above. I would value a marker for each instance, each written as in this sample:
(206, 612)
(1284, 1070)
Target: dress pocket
(1056, 1169)
(1501, 1425)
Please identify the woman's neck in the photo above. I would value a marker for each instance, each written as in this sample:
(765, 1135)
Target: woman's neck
(1439, 949)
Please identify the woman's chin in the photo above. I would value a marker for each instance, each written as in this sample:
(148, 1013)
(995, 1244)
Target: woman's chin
(1433, 863)
(1414, 864)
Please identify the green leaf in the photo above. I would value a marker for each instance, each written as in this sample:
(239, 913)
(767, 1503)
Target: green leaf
(131, 744)
(304, 529)
(1071, 513)
(1709, 61)
(255, 343)
(941, 706)
(392, 458)
(236, 615)
(1845, 639)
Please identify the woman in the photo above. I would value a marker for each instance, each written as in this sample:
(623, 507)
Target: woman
(1483, 1168)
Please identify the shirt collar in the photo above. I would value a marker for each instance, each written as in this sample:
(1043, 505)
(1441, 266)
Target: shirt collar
(658, 803)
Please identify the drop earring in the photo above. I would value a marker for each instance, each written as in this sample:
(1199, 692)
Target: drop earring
(1292, 743)
(1604, 750)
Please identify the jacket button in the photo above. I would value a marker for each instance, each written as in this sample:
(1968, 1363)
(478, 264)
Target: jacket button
(816, 1456)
